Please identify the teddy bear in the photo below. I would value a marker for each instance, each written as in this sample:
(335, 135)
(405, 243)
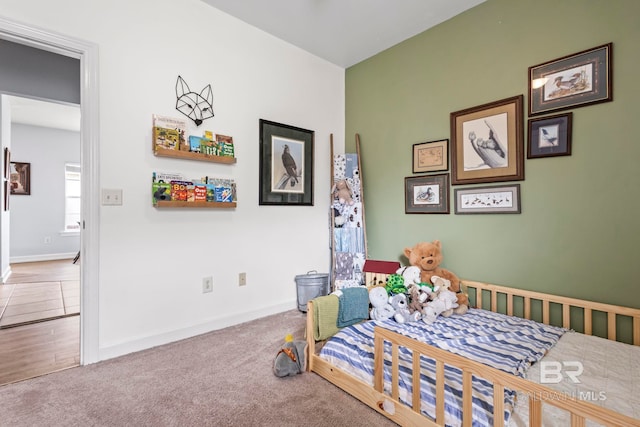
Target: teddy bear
(381, 308)
(428, 256)
(342, 193)
(402, 313)
(444, 302)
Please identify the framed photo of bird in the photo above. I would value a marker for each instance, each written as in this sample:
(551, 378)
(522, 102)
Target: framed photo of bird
(486, 200)
(286, 164)
(575, 80)
(549, 136)
(426, 194)
(487, 142)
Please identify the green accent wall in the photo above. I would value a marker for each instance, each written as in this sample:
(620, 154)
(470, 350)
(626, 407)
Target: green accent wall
(579, 231)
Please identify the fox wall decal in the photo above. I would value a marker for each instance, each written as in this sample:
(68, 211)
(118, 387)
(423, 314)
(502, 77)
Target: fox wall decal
(197, 106)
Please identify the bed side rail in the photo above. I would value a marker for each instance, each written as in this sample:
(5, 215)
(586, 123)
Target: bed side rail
(570, 316)
(538, 394)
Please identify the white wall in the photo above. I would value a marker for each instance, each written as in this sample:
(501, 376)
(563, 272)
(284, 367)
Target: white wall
(41, 214)
(153, 261)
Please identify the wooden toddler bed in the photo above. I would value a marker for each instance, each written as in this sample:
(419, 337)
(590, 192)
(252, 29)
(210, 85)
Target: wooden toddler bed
(476, 365)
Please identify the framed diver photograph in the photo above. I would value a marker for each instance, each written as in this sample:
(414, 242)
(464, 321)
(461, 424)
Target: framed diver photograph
(428, 194)
(572, 81)
(285, 165)
(487, 142)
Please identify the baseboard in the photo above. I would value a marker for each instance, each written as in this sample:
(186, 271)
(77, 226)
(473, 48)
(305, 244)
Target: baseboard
(135, 345)
(43, 257)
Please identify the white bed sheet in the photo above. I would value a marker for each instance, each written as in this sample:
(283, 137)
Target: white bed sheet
(610, 378)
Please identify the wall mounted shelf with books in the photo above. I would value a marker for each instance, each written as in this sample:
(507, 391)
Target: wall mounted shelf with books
(183, 204)
(167, 152)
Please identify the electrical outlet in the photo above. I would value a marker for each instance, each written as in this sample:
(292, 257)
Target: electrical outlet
(242, 279)
(47, 239)
(207, 285)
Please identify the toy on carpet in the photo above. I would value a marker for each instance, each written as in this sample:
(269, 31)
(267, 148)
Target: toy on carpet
(342, 192)
(444, 302)
(291, 359)
(402, 314)
(427, 256)
(379, 300)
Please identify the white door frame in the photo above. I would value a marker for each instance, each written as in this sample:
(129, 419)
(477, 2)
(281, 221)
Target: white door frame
(87, 53)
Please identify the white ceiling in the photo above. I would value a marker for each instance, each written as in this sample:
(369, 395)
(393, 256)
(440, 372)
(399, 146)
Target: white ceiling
(343, 32)
(47, 114)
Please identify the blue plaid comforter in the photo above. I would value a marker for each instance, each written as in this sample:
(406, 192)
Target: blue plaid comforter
(504, 342)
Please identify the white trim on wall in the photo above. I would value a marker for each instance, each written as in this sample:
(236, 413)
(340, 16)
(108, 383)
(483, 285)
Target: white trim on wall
(89, 136)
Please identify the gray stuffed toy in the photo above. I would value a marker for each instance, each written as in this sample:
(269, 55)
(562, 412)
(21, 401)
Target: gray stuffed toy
(291, 359)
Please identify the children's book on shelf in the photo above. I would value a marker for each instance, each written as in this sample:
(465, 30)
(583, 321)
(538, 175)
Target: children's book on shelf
(178, 126)
(225, 145)
(169, 139)
(200, 192)
(167, 186)
(161, 192)
(179, 190)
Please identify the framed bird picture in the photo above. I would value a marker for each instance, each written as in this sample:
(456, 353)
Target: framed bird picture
(575, 80)
(286, 164)
(487, 142)
(549, 136)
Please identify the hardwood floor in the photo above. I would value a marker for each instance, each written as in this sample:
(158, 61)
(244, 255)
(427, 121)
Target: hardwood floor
(38, 291)
(46, 346)
(39, 348)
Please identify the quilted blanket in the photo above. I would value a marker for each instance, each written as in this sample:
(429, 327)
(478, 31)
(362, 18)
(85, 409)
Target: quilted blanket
(504, 342)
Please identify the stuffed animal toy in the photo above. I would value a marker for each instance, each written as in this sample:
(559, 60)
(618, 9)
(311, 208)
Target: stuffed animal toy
(291, 359)
(395, 285)
(428, 256)
(444, 302)
(417, 300)
(402, 314)
(410, 274)
(342, 193)
(381, 308)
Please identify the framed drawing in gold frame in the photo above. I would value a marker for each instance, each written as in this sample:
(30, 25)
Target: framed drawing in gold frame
(487, 142)
(431, 156)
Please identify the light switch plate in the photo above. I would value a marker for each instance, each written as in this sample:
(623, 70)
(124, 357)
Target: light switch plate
(111, 197)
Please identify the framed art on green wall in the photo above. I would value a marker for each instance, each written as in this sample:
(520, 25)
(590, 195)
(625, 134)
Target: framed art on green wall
(428, 194)
(487, 142)
(431, 156)
(571, 81)
(549, 136)
(485, 200)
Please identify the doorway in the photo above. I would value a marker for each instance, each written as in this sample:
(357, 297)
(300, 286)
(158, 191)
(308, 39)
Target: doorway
(87, 54)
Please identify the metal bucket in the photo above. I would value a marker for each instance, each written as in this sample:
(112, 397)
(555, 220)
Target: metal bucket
(310, 286)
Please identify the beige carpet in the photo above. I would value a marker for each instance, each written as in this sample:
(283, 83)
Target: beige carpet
(25, 303)
(222, 378)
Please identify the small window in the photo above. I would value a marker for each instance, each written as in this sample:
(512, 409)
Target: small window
(72, 197)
